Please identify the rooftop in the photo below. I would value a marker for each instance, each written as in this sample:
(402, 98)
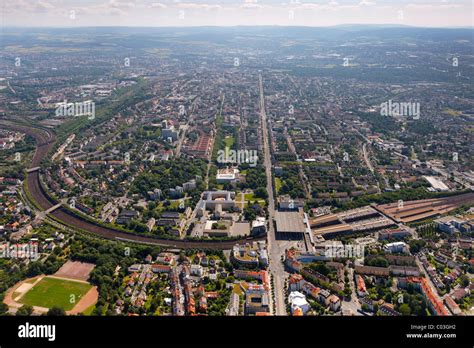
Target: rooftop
(289, 222)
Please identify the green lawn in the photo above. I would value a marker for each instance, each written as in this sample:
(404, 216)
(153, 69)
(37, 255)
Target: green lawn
(89, 310)
(229, 141)
(249, 197)
(278, 184)
(175, 204)
(51, 292)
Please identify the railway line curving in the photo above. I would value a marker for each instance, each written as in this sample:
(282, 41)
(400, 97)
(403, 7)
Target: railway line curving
(44, 141)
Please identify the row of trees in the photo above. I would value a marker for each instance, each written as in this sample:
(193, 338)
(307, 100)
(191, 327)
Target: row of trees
(291, 183)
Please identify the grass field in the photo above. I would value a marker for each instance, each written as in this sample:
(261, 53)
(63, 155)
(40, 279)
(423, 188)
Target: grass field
(229, 141)
(278, 184)
(249, 197)
(89, 310)
(51, 292)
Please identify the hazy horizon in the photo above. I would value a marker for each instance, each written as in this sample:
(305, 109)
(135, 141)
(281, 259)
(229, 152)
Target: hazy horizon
(229, 13)
(378, 25)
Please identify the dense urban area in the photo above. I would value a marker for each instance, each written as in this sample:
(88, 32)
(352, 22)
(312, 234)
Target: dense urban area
(245, 171)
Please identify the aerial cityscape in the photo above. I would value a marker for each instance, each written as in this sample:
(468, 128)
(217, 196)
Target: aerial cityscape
(237, 171)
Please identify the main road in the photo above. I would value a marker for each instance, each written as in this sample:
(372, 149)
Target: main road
(274, 251)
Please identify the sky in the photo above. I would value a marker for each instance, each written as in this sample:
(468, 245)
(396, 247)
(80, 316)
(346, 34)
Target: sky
(158, 13)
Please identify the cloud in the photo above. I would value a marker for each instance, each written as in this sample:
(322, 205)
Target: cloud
(158, 5)
(233, 12)
(251, 5)
(432, 6)
(39, 6)
(367, 3)
(44, 6)
(120, 4)
(196, 6)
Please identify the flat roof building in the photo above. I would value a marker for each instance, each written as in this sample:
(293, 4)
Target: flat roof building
(211, 199)
(289, 225)
(227, 175)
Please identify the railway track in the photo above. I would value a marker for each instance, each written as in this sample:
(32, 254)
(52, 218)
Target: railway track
(44, 141)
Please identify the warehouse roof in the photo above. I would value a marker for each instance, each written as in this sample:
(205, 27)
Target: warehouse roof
(289, 222)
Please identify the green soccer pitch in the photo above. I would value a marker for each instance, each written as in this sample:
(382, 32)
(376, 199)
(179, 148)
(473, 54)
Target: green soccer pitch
(51, 292)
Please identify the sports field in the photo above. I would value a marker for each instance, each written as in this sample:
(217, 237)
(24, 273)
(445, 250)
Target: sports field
(49, 292)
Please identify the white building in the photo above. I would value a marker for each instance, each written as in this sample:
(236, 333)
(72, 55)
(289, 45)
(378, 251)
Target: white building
(396, 247)
(226, 175)
(259, 225)
(436, 183)
(298, 300)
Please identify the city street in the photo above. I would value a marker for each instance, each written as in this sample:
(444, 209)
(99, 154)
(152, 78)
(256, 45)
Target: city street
(353, 305)
(274, 249)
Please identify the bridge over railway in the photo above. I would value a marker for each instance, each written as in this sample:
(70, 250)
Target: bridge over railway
(53, 208)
